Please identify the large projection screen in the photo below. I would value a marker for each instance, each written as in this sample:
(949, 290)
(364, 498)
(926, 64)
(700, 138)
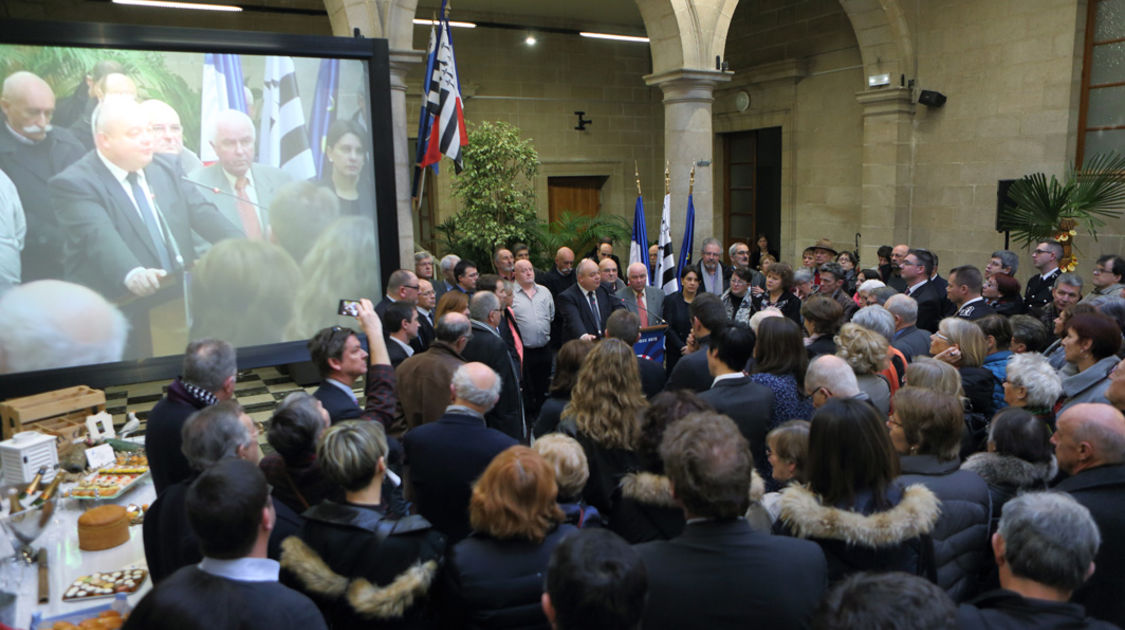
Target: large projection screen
(278, 201)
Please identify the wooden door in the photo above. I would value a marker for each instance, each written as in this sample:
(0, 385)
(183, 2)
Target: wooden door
(577, 195)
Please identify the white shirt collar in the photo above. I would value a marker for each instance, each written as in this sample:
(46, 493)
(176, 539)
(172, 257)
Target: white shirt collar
(118, 173)
(242, 569)
(726, 377)
(911, 288)
(406, 347)
(1045, 276)
(976, 299)
(343, 387)
(233, 179)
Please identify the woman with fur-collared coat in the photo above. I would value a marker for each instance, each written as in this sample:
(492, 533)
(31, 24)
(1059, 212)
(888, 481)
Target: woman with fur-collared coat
(363, 568)
(852, 507)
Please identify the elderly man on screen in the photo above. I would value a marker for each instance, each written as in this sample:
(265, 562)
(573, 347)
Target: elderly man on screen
(127, 214)
(241, 189)
(168, 134)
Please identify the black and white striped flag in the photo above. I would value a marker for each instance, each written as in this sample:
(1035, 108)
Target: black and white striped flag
(666, 276)
(282, 139)
(447, 133)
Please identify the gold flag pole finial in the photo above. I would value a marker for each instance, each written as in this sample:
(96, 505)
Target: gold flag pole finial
(667, 177)
(691, 184)
(637, 175)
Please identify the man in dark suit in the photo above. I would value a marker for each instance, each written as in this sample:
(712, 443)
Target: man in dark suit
(31, 155)
(1045, 257)
(209, 372)
(230, 512)
(586, 306)
(625, 326)
(907, 338)
(445, 457)
(713, 278)
(646, 302)
(720, 572)
(1090, 447)
(127, 215)
(916, 270)
(425, 308)
(486, 346)
(239, 188)
(707, 317)
(749, 404)
(402, 286)
(963, 290)
(561, 277)
(341, 359)
(400, 321)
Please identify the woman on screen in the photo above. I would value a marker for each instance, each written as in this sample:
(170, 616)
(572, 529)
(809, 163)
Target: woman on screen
(346, 151)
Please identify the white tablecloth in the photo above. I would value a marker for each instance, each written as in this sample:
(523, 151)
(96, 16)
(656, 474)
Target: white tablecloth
(67, 562)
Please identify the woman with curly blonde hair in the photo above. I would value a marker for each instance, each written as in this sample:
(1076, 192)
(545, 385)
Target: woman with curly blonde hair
(604, 416)
(866, 352)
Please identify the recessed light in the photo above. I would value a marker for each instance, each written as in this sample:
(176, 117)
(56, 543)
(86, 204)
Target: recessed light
(422, 22)
(171, 4)
(620, 38)
(530, 40)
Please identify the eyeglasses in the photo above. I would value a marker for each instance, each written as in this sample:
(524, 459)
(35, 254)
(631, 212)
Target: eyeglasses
(410, 286)
(943, 337)
(1040, 251)
(1099, 271)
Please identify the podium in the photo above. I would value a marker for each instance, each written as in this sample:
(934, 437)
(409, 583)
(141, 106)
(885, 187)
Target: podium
(651, 343)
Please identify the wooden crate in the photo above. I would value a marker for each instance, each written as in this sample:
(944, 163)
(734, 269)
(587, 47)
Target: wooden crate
(58, 411)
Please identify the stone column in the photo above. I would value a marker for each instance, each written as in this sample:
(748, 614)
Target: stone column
(688, 139)
(887, 168)
(401, 62)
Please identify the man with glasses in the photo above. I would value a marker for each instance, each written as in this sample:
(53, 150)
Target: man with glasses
(488, 347)
(1108, 272)
(739, 253)
(917, 267)
(402, 286)
(711, 269)
(425, 307)
(1046, 259)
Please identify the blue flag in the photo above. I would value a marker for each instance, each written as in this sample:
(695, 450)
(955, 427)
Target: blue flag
(638, 247)
(689, 239)
(323, 110)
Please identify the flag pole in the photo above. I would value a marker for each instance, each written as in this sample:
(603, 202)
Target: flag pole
(667, 177)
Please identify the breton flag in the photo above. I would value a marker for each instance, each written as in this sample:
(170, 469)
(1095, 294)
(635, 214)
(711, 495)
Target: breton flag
(638, 247)
(282, 139)
(666, 276)
(447, 133)
(425, 121)
(323, 112)
(689, 238)
(222, 90)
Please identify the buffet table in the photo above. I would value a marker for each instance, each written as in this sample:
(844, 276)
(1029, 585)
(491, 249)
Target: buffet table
(66, 562)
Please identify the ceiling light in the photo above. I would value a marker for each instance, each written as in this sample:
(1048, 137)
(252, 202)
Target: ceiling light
(530, 40)
(620, 38)
(422, 22)
(170, 4)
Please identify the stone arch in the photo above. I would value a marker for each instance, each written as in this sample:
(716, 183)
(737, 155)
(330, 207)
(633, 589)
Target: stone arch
(686, 34)
(885, 42)
(390, 19)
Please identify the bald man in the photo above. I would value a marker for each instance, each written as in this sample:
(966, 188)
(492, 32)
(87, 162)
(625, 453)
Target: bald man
(32, 152)
(127, 215)
(586, 305)
(51, 324)
(1090, 447)
(245, 188)
(168, 134)
(445, 457)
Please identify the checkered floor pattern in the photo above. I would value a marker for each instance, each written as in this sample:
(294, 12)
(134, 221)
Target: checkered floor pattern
(258, 391)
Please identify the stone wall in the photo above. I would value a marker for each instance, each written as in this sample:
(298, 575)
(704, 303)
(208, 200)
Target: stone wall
(538, 89)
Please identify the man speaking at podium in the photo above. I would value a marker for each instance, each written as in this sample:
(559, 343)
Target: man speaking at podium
(126, 214)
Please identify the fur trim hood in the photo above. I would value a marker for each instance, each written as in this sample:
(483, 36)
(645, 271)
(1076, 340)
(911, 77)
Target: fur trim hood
(804, 515)
(1010, 470)
(652, 489)
(366, 599)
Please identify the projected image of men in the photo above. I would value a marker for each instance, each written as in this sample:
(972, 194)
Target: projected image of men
(127, 216)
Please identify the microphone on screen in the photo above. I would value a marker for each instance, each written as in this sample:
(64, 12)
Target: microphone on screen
(219, 191)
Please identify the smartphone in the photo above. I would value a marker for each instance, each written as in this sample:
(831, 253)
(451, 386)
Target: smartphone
(349, 308)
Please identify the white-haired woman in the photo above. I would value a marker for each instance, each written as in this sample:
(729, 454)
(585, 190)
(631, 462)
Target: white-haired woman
(1033, 385)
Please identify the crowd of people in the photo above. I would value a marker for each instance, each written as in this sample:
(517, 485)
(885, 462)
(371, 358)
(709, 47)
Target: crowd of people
(817, 451)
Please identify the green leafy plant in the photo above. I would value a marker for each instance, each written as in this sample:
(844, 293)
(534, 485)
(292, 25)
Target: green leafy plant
(580, 233)
(496, 193)
(65, 68)
(1045, 209)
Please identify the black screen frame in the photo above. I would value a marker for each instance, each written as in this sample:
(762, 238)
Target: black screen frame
(175, 39)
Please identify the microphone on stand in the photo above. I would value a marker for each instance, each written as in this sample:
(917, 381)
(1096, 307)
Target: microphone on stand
(220, 191)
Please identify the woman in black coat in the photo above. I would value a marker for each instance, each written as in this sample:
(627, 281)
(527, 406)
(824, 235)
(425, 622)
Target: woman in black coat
(677, 313)
(495, 576)
(926, 429)
(362, 566)
(962, 344)
(779, 281)
(853, 507)
(567, 362)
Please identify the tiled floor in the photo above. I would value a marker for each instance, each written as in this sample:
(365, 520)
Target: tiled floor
(257, 390)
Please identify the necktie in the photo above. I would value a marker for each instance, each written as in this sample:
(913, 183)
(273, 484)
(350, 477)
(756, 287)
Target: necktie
(594, 310)
(641, 310)
(246, 211)
(515, 335)
(150, 221)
